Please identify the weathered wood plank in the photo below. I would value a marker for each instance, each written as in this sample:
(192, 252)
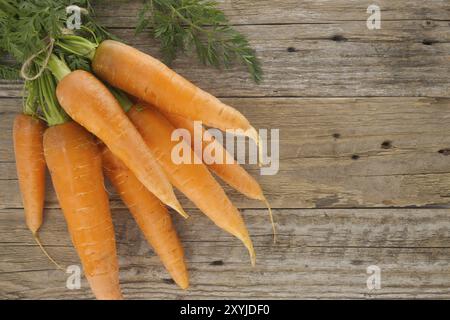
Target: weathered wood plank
(293, 11)
(374, 152)
(324, 254)
(352, 31)
(340, 59)
(333, 152)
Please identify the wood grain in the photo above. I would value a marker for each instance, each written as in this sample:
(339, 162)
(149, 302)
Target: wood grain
(325, 254)
(363, 118)
(340, 59)
(334, 152)
(293, 11)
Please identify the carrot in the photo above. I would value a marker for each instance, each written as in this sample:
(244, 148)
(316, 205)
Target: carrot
(151, 216)
(150, 80)
(74, 162)
(231, 173)
(30, 165)
(194, 180)
(92, 105)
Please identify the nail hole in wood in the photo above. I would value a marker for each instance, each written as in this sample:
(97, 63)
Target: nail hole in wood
(386, 144)
(445, 152)
(217, 263)
(291, 49)
(336, 135)
(428, 42)
(355, 157)
(338, 38)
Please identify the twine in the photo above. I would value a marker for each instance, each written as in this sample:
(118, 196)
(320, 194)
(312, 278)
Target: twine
(27, 63)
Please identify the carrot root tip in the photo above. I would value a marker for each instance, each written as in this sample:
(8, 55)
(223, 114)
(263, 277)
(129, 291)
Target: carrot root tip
(38, 241)
(181, 211)
(274, 230)
(253, 259)
(251, 250)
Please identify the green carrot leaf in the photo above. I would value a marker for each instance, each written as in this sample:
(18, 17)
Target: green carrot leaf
(183, 25)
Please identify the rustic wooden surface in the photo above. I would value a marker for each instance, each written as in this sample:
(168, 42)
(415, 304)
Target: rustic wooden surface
(364, 163)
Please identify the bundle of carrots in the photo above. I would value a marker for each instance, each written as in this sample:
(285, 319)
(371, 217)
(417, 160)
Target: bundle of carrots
(92, 130)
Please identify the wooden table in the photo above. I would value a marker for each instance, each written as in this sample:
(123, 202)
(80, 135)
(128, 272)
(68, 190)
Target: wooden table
(364, 180)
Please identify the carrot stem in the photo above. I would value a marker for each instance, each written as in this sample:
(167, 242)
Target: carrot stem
(53, 113)
(58, 67)
(30, 102)
(77, 45)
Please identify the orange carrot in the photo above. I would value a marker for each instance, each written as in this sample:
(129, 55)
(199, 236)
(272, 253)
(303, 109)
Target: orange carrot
(75, 166)
(92, 105)
(30, 165)
(151, 216)
(150, 80)
(194, 180)
(231, 173)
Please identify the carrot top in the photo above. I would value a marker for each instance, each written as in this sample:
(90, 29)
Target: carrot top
(53, 114)
(84, 48)
(30, 103)
(78, 45)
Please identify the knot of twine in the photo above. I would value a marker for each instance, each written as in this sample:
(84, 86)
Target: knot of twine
(29, 61)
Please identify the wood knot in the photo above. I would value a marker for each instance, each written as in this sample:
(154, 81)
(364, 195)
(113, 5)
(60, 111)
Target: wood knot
(355, 157)
(291, 49)
(445, 152)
